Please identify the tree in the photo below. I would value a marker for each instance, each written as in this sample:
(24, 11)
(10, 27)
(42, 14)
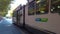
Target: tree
(4, 6)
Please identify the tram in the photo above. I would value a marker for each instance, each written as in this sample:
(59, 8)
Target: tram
(39, 14)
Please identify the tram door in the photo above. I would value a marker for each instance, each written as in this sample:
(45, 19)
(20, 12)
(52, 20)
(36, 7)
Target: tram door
(20, 17)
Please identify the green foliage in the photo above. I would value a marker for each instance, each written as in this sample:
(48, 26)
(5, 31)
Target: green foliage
(11, 14)
(4, 6)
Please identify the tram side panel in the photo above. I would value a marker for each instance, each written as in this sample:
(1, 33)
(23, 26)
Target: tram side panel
(52, 23)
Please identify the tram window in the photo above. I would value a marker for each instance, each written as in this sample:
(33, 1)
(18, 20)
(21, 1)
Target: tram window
(37, 1)
(31, 8)
(55, 6)
(41, 7)
(40, 0)
(20, 13)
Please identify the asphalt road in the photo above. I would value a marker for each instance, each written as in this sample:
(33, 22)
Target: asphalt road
(6, 27)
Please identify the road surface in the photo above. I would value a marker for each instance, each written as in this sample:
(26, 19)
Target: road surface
(6, 27)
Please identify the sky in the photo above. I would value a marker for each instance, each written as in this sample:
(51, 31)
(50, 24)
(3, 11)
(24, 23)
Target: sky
(15, 4)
